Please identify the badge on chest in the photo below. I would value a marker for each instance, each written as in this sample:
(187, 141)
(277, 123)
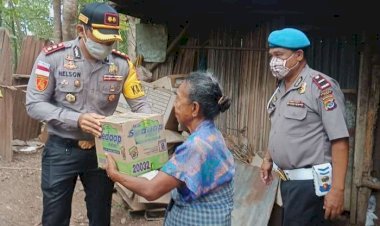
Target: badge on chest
(296, 103)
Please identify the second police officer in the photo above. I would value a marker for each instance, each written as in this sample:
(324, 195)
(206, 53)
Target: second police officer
(308, 140)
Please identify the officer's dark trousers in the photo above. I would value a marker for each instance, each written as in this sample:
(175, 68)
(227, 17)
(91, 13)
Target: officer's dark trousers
(62, 162)
(301, 206)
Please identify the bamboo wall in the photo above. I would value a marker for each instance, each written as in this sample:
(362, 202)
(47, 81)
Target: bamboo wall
(240, 61)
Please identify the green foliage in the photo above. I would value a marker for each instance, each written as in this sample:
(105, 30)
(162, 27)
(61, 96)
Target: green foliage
(123, 45)
(35, 17)
(24, 17)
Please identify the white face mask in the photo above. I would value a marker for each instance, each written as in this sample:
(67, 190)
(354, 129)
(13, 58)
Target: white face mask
(96, 50)
(278, 67)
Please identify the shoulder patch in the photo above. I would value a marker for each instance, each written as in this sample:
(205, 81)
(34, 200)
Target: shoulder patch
(53, 48)
(321, 82)
(120, 54)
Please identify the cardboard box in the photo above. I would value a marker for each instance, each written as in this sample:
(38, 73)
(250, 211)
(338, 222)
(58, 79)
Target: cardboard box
(170, 82)
(136, 141)
(160, 100)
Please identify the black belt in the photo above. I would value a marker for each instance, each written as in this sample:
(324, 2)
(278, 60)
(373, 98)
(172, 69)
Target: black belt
(69, 143)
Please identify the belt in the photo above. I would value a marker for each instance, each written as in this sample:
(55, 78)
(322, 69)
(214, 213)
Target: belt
(82, 144)
(296, 174)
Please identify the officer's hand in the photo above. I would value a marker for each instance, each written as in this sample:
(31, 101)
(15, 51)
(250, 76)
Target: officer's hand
(110, 167)
(333, 203)
(90, 123)
(266, 172)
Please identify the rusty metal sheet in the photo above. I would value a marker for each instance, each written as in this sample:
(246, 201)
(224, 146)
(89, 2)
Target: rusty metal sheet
(253, 200)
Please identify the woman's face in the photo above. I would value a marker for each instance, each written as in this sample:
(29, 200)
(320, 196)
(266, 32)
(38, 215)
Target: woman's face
(183, 107)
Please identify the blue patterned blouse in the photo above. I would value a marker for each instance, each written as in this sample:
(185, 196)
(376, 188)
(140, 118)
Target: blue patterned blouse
(203, 162)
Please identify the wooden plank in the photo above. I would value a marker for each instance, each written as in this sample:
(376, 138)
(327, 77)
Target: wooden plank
(360, 128)
(6, 102)
(20, 76)
(367, 166)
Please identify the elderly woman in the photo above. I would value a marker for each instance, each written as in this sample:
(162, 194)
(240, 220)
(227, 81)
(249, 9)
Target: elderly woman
(200, 172)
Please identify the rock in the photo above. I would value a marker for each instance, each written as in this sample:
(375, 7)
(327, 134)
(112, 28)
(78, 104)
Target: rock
(123, 220)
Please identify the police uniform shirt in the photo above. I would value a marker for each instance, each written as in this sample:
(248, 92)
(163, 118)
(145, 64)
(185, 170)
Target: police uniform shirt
(305, 119)
(63, 85)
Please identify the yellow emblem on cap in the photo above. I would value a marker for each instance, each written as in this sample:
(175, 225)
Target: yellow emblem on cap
(83, 18)
(111, 19)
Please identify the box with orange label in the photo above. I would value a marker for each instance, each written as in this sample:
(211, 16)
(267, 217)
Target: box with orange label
(136, 141)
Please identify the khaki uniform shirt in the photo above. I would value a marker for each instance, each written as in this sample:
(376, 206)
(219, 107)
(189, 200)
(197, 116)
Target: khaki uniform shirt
(305, 119)
(63, 85)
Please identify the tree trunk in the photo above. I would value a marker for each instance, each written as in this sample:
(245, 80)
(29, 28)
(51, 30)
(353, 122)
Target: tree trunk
(1, 13)
(57, 21)
(15, 34)
(70, 11)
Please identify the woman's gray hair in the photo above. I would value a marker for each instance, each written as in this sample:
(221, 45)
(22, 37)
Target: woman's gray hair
(204, 88)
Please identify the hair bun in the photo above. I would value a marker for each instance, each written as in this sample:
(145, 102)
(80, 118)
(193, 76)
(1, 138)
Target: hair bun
(224, 103)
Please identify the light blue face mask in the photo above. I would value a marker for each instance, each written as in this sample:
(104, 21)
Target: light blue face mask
(97, 50)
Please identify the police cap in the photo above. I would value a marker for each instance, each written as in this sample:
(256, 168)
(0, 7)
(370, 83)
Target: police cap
(288, 38)
(103, 20)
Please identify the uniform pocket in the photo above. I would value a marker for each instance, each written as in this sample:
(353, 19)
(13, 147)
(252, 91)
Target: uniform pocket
(109, 92)
(111, 87)
(70, 91)
(295, 122)
(296, 113)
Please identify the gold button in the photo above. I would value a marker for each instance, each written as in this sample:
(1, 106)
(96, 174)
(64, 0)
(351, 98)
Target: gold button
(111, 97)
(77, 83)
(70, 98)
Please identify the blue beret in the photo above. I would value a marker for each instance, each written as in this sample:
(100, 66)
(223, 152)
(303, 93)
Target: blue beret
(288, 38)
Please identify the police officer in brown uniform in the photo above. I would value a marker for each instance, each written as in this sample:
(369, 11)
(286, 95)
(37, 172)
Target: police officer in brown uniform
(73, 85)
(308, 141)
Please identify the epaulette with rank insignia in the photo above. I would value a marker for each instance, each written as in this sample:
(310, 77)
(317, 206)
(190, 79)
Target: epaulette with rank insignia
(321, 82)
(120, 54)
(53, 48)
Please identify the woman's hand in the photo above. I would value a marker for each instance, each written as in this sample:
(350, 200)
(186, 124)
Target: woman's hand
(111, 167)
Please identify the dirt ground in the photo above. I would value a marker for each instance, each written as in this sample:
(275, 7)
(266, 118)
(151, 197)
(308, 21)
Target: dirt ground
(21, 197)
